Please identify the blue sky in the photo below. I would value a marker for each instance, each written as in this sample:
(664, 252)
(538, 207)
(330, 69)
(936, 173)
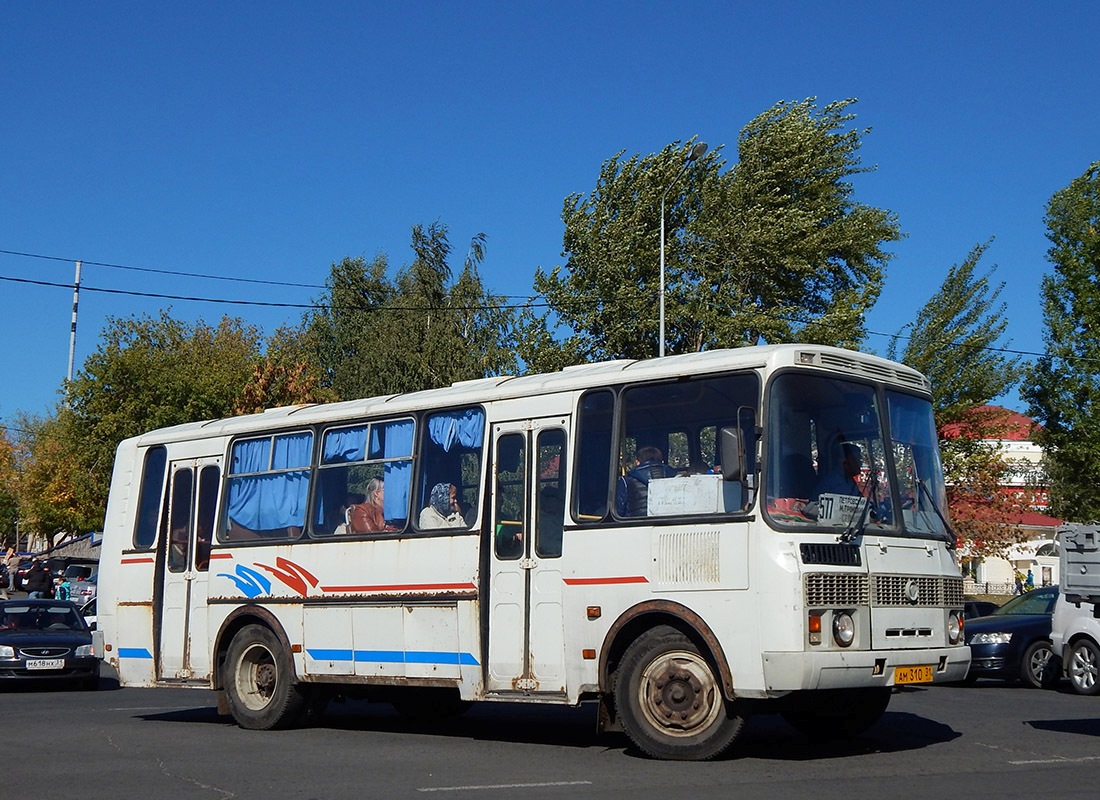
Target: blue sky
(267, 140)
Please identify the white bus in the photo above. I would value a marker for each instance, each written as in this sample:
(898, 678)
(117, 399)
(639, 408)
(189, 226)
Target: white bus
(782, 547)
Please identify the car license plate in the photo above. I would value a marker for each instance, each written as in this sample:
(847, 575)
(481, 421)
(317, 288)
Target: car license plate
(918, 674)
(45, 663)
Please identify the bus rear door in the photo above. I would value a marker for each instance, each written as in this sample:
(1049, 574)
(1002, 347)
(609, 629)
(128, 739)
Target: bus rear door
(526, 649)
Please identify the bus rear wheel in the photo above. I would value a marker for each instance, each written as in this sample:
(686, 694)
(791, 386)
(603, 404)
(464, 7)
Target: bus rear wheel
(670, 701)
(259, 681)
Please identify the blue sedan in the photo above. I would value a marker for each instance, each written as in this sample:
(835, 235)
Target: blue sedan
(1013, 643)
(46, 641)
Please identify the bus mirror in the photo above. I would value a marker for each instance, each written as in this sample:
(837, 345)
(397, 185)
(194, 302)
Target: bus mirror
(731, 448)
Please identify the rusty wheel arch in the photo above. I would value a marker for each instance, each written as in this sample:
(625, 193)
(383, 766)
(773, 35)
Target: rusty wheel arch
(237, 619)
(644, 616)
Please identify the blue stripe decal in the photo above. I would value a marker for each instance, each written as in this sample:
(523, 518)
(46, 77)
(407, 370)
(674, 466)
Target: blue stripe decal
(393, 657)
(134, 652)
(330, 655)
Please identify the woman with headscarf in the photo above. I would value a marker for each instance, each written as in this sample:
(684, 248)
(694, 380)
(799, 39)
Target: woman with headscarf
(443, 509)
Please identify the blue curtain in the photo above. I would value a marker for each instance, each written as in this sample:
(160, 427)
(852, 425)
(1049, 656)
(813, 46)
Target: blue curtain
(395, 440)
(463, 427)
(344, 445)
(264, 502)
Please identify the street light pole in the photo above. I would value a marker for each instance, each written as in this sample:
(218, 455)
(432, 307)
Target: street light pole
(696, 151)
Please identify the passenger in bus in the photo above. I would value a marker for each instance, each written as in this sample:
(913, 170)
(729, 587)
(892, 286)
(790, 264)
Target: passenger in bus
(632, 493)
(443, 509)
(841, 479)
(367, 516)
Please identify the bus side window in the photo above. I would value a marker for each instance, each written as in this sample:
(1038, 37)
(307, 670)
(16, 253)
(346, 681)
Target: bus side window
(550, 501)
(592, 484)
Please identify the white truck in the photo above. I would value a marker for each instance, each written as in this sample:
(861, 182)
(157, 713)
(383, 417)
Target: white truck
(1075, 627)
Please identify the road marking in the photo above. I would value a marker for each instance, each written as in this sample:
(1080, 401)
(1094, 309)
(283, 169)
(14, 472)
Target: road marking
(502, 786)
(1056, 760)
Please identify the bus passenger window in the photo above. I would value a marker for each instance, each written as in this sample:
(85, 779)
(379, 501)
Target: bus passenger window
(550, 501)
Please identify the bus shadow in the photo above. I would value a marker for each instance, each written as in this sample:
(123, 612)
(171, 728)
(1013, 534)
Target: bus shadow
(764, 737)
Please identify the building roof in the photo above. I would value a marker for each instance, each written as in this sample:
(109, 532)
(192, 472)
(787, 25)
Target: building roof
(993, 422)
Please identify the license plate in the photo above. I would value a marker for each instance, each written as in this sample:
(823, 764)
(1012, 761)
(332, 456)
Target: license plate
(46, 663)
(919, 674)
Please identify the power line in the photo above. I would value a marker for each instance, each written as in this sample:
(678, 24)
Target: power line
(269, 304)
(176, 273)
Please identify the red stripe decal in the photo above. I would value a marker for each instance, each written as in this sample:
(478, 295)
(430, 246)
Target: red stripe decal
(403, 587)
(138, 560)
(605, 581)
(220, 556)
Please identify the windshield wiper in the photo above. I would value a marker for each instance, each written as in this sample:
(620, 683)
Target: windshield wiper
(950, 536)
(856, 527)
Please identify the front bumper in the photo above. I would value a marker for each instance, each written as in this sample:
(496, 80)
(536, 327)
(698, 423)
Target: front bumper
(833, 669)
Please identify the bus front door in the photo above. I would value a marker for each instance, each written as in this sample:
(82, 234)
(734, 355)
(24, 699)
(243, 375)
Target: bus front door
(526, 647)
(183, 560)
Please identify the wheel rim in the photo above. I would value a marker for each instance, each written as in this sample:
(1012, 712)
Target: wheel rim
(257, 676)
(1040, 663)
(678, 695)
(1083, 668)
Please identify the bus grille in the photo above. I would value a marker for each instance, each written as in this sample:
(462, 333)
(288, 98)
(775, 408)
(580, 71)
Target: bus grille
(837, 589)
(846, 589)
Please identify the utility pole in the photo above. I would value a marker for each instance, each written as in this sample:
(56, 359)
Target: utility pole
(72, 331)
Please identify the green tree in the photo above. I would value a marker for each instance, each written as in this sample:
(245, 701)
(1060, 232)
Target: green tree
(61, 488)
(955, 341)
(1063, 386)
(423, 329)
(9, 490)
(774, 249)
(147, 373)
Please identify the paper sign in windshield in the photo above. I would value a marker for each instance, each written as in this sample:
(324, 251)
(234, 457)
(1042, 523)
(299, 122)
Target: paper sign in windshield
(840, 510)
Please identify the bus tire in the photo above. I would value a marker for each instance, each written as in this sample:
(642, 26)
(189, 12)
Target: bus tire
(259, 681)
(670, 701)
(825, 714)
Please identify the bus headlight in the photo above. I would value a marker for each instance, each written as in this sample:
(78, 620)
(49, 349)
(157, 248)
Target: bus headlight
(844, 628)
(954, 627)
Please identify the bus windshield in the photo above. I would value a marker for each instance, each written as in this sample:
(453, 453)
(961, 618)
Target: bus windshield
(844, 455)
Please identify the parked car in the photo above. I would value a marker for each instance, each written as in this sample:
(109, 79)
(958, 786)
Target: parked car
(20, 573)
(59, 566)
(88, 612)
(972, 609)
(46, 641)
(1013, 643)
(1075, 636)
(81, 591)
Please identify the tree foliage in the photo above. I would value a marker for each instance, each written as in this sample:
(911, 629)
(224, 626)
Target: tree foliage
(422, 329)
(773, 249)
(1063, 386)
(9, 490)
(956, 341)
(146, 373)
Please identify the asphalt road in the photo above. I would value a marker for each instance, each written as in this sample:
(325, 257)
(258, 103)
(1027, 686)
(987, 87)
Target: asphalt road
(986, 741)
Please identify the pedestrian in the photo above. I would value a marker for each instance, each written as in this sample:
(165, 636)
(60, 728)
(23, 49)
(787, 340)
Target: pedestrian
(38, 581)
(11, 559)
(1019, 576)
(1030, 581)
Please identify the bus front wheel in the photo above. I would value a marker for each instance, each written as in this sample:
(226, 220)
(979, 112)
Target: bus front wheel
(259, 681)
(670, 701)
